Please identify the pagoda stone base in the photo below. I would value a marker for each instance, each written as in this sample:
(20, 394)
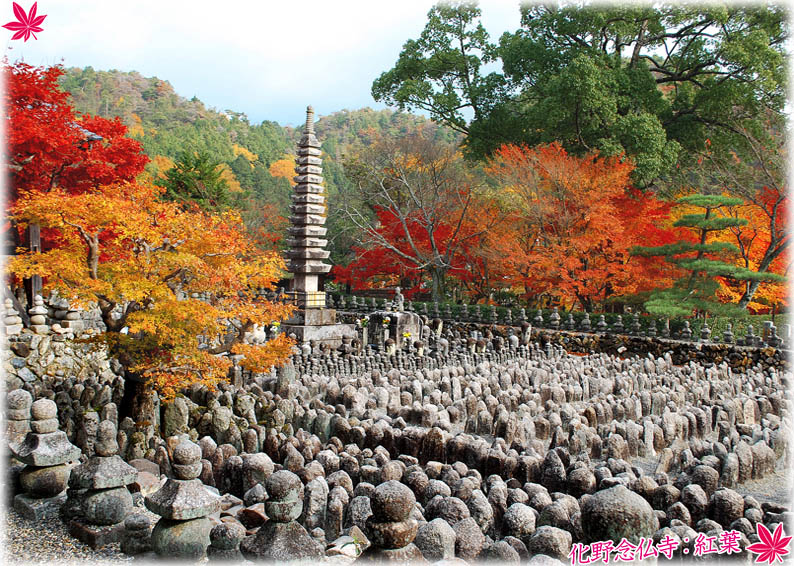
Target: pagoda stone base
(313, 317)
(13, 486)
(39, 509)
(330, 334)
(318, 325)
(96, 535)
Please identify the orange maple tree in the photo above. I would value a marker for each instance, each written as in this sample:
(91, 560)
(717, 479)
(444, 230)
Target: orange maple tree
(49, 145)
(143, 260)
(574, 220)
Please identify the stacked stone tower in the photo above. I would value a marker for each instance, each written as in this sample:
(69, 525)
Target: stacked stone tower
(307, 243)
(307, 247)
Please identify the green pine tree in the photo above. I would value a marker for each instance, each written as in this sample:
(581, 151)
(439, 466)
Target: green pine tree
(196, 177)
(702, 261)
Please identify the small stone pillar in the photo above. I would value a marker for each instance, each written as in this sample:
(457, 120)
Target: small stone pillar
(19, 402)
(225, 542)
(636, 328)
(38, 316)
(106, 501)
(749, 336)
(389, 528)
(282, 538)
(601, 325)
(73, 322)
(137, 537)
(554, 319)
(183, 503)
(46, 451)
(705, 332)
(11, 320)
(727, 335)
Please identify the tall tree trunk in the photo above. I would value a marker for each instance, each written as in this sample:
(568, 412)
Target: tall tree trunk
(749, 293)
(437, 290)
(33, 243)
(138, 402)
(752, 286)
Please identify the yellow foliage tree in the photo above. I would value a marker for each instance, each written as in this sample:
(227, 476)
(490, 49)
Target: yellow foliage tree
(284, 167)
(161, 164)
(249, 155)
(142, 261)
(231, 181)
(136, 129)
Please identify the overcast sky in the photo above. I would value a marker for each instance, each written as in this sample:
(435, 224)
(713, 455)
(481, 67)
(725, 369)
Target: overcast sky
(268, 59)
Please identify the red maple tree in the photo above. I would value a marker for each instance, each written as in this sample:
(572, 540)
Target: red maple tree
(51, 145)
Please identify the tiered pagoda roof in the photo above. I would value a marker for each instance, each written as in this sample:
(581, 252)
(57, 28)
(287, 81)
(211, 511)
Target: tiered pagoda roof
(307, 243)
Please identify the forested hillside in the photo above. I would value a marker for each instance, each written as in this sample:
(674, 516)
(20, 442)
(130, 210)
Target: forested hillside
(256, 159)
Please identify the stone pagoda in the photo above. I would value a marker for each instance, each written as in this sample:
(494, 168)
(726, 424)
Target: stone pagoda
(306, 255)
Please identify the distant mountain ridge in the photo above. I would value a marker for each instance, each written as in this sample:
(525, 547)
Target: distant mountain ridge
(257, 158)
(165, 122)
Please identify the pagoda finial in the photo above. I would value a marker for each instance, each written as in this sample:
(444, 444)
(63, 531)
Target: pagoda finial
(309, 120)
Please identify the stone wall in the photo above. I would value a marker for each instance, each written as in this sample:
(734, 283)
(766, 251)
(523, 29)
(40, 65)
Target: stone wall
(52, 358)
(737, 357)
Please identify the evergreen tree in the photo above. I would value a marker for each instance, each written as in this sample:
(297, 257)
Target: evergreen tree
(197, 177)
(701, 261)
(650, 81)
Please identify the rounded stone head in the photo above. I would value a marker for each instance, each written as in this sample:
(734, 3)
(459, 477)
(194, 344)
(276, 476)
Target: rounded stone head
(187, 460)
(227, 536)
(283, 485)
(106, 444)
(286, 496)
(19, 399)
(43, 409)
(392, 502)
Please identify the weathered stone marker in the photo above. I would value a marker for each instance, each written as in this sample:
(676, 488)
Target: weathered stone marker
(46, 451)
(282, 538)
(107, 501)
(183, 504)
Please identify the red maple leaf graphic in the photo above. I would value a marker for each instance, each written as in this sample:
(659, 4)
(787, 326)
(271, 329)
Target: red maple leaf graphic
(26, 24)
(772, 547)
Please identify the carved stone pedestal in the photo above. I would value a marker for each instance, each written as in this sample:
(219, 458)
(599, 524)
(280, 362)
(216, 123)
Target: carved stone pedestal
(38, 509)
(96, 535)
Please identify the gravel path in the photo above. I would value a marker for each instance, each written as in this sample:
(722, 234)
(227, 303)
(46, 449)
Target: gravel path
(39, 542)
